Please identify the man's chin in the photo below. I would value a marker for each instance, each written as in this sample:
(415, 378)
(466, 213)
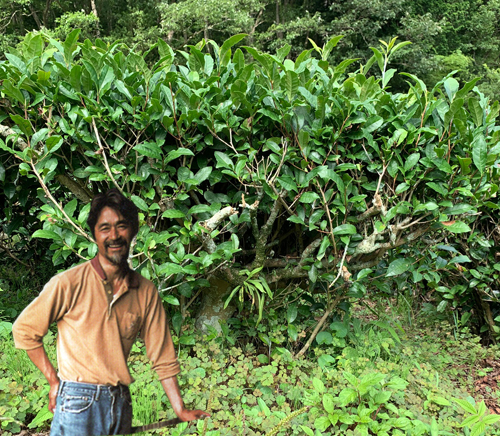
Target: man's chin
(118, 260)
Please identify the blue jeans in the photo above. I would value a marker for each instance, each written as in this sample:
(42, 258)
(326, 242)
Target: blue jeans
(84, 409)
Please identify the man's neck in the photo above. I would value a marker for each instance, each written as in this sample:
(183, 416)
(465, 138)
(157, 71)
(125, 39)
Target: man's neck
(113, 272)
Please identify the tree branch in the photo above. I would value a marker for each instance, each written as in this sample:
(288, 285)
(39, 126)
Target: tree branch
(331, 306)
(212, 223)
(227, 273)
(108, 170)
(265, 231)
(56, 203)
(13, 256)
(296, 272)
(79, 191)
(6, 131)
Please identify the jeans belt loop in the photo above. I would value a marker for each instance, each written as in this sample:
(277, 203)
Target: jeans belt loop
(61, 387)
(98, 393)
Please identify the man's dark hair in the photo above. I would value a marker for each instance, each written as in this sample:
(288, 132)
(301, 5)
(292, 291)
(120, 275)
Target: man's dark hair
(119, 203)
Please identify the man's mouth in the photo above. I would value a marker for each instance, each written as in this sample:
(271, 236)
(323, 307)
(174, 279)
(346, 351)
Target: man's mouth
(115, 245)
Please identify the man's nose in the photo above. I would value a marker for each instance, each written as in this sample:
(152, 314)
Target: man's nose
(113, 233)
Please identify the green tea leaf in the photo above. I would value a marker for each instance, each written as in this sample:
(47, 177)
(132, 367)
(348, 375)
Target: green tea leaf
(398, 267)
(456, 226)
(291, 312)
(479, 153)
(170, 299)
(46, 234)
(140, 203)
(173, 213)
(345, 229)
(308, 197)
(476, 111)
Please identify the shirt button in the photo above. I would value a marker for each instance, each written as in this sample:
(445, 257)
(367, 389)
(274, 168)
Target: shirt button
(109, 292)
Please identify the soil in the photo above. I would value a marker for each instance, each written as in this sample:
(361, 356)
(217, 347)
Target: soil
(486, 386)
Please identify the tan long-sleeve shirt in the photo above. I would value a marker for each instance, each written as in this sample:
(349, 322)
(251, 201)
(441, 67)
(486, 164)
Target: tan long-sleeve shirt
(96, 329)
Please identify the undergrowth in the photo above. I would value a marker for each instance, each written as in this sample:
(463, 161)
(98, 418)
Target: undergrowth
(360, 379)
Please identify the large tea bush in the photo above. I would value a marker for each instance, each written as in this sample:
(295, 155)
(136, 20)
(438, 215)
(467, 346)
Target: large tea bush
(257, 175)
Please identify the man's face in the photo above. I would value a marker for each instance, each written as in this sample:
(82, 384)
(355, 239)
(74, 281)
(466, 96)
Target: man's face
(113, 235)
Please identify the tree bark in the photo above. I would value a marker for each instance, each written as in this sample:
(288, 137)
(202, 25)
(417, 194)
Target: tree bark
(94, 11)
(35, 16)
(46, 12)
(212, 306)
(79, 191)
(279, 33)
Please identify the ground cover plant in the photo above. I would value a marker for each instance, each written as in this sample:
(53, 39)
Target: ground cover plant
(369, 380)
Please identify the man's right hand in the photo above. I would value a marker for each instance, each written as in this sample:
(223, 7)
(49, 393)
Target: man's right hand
(54, 389)
(39, 357)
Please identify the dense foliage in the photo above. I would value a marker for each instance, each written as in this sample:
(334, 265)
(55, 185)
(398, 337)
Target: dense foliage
(447, 35)
(288, 186)
(258, 179)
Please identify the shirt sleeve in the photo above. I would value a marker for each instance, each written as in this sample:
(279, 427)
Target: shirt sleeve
(156, 335)
(34, 321)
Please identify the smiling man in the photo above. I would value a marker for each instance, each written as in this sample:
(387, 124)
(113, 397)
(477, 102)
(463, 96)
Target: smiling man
(100, 307)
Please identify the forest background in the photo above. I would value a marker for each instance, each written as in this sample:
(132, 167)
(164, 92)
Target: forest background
(367, 240)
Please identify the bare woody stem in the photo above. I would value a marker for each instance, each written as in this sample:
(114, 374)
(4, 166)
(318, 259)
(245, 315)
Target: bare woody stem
(101, 148)
(79, 230)
(298, 271)
(318, 327)
(265, 231)
(228, 273)
(329, 310)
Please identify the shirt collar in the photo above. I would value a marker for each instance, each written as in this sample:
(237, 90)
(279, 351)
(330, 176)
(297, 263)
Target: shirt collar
(133, 279)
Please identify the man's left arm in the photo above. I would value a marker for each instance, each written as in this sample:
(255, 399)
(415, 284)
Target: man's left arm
(161, 352)
(171, 388)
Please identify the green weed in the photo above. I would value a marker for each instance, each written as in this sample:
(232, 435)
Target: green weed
(359, 379)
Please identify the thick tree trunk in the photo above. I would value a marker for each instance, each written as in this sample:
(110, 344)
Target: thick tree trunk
(94, 11)
(46, 13)
(279, 33)
(35, 16)
(212, 306)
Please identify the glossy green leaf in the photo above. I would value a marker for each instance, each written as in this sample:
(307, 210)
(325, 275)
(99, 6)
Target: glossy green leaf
(479, 153)
(292, 332)
(398, 267)
(170, 299)
(46, 234)
(456, 227)
(344, 229)
(140, 203)
(291, 313)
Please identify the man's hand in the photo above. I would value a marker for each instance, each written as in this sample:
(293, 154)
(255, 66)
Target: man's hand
(39, 357)
(171, 388)
(191, 415)
(54, 388)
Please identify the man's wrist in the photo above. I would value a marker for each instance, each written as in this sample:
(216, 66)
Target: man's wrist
(179, 410)
(54, 380)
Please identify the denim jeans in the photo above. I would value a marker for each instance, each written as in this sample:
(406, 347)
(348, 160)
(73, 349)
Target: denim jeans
(84, 409)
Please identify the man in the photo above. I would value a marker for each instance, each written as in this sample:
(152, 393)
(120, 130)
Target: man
(100, 307)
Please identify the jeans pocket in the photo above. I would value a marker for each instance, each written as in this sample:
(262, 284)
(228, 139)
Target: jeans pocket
(76, 403)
